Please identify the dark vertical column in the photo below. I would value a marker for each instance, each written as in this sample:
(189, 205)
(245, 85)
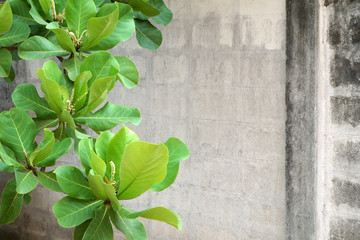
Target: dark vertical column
(301, 51)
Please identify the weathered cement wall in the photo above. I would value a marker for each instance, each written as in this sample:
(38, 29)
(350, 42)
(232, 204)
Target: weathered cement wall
(218, 83)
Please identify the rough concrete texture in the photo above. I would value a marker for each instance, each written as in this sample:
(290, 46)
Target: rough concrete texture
(301, 45)
(218, 83)
(341, 73)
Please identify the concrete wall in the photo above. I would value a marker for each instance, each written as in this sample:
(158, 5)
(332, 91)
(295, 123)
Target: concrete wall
(218, 83)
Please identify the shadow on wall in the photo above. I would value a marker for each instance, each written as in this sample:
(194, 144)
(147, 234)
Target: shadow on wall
(9, 235)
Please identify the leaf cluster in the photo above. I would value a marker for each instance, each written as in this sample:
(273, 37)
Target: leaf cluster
(49, 121)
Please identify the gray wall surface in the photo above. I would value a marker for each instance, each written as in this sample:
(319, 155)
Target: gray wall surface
(218, 83)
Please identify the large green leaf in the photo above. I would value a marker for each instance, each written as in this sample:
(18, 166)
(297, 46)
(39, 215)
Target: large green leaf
(60, 148)
(81, 89)
(85, 147)
(143, 7)
(26, 97)
(178, 151)
(72, 66)
(100, 226)
(97, 164)
(131, 228)
(160, 214)
(43, 150)
(97, 94)
(165, 15)
(101, 65)
(110, 116)
(53, 72)
(102, 142)
(6, 168)
(21, 13)
(124, 29)
(45, 5)
(5, 17)
(147, 35)
(80, 230)
(17, 132)
(116, 147)
(143, 165)
(71, 212)
(73, 182)
(36, 15)
(37, 48)
(8, 157)
(11, 77)
(77, 14)
(48, 180)
(62, 37)
(5, 62)
(97, 186)
(52, 91)
(25, 182)
(128, 73)
(11, 203)
(45, 123)
(101, 27)
(18, 32)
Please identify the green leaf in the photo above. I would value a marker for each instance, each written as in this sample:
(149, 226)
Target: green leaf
(116, 148)
(97, 164)
(143, 7)
(81, 89)
(27, 198)
(111, 195)
(18, 32)
(45, 123)
(25, 182)
(11, 203)
(77, 14)
(21, 13)
(85, 147)
(11, 77)
(8, 157)
(147, 35)
(35, 13)
(132, 228)
(100, 226)
(48, 180)
(165, 15)
(44, 149)
(100, 64)
(66, 117)
(80, 230)
(60, 5)
(110, 116)
(37, 48)
(97, 94)
(62, 37)
(45, 5)
(123, 31)
(102, 142)
(99, 28)
(6, 168)
(97, 186)
(143, 165)
(178, 151)
(53, 72)
(52, 91)
(72, 65)
(26, 97)
(160, 214)
(5, 62)
(73, 182)
(12, 132)
(60, 148)
(128, 73)
(71, 212)
(5, 17)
